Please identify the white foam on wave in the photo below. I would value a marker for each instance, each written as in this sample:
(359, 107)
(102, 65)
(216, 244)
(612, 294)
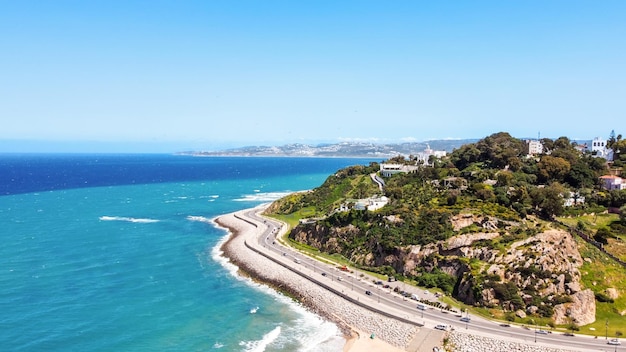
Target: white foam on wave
(261, 345)
(262, 197)
(128, 219)
(312, 332)
(200, 219)
(217, 254)
(218, 345)
(316, 334)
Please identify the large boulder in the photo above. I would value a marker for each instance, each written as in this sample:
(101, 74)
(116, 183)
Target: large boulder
(612, 293)
(580, 311)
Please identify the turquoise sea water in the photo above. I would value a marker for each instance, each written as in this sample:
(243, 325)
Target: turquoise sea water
(132, 263)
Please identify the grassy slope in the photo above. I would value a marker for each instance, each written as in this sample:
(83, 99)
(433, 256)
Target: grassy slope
(600, 273)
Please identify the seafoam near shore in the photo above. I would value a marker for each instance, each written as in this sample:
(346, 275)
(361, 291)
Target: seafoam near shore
(356, 322)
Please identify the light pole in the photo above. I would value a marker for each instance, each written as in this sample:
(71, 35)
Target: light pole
(606, 325)
(533, 321)
(466, 318)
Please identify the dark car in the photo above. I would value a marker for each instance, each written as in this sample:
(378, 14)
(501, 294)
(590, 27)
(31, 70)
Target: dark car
(369, 293)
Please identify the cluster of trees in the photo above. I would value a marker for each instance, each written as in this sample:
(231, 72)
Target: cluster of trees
(530, 184)
(493, 176)
(618, 145)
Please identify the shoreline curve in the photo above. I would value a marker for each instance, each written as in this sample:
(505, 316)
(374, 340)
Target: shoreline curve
(356, 323)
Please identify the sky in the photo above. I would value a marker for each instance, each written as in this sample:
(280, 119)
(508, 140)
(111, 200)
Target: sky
(160, 76)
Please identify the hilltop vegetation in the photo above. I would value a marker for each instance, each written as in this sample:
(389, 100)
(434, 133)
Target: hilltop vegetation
(478, 224)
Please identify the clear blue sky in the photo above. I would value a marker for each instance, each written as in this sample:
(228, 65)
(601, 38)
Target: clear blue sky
(174, 75)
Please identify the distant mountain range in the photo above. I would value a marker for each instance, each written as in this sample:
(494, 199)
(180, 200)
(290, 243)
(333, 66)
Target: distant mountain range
(344, 149)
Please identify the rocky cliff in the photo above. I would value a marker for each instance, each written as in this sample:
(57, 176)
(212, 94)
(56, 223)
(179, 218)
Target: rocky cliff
(532, 272)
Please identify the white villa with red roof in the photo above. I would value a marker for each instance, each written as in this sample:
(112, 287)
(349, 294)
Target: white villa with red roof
(611, 182)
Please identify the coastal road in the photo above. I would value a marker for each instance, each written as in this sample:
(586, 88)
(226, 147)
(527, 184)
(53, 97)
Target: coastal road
(353, 287)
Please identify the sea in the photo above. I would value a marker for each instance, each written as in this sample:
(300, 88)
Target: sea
(119, 253)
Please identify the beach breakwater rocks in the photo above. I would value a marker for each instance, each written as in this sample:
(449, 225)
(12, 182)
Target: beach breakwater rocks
(345, 314)
(462, 342)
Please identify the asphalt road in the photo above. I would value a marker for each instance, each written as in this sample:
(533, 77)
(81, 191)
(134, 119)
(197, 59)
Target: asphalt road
(353, 286)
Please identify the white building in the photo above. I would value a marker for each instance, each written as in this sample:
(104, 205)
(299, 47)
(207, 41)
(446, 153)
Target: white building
(574, 199)
(371, 204)
(534, 147)
(424, 156)
(386, 170)
(610, 182)
(599, 148)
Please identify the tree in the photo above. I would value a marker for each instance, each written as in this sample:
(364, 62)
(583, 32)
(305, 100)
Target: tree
(622, 214)
(548, 145)
(581, 174)
(553, 168)
(549, 200)
(465, 156)
(602, 235)
(564, 148)
(504, 178)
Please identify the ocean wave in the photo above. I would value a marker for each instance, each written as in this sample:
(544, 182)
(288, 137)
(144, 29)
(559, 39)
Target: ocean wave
(310, 333)
(314, 334)
(262, 197)
(128, 219)
(217, 254)
(218, 345)
(200, 219)
(260, 345)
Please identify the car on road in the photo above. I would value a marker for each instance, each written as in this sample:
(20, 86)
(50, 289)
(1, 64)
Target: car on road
(368, 292)
(442, 326)
(541, 332)
(614, 342)
(505, 325)
(323, 274)
(421, 306)
(339, 278)
(466, 319)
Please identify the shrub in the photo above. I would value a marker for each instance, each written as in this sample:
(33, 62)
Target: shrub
(601, 297)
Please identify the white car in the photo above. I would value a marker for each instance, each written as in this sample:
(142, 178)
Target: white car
(614, 342)
(444, 327)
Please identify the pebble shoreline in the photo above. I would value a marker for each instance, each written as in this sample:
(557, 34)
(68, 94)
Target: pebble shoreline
(320, 301)
(462, 342)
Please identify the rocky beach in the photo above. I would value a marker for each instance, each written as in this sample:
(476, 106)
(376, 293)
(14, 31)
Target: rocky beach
(356, 322)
